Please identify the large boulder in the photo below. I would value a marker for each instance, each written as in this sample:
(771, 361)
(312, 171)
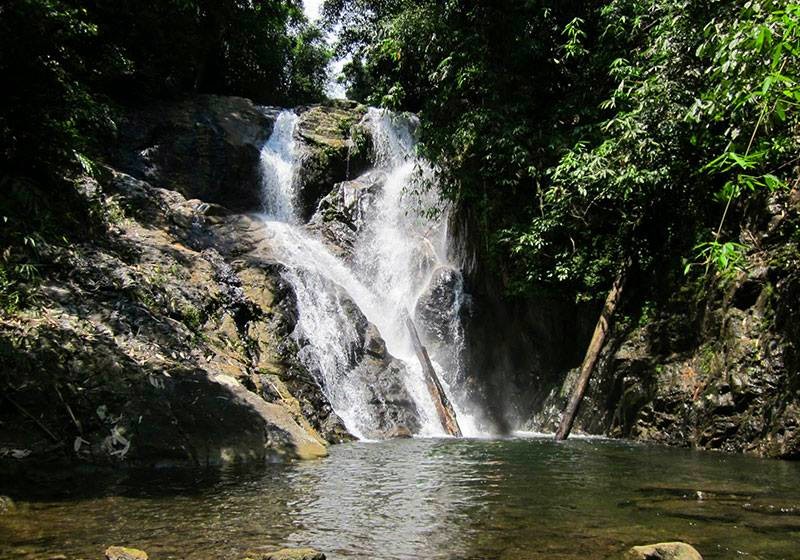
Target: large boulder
(206, 147)
(333, 146)
(383, 375)
(340, 215)
(211, 421)
(7, 505)
(391, 407)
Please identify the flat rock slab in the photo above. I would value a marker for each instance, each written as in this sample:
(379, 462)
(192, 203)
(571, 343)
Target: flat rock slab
(664, 551)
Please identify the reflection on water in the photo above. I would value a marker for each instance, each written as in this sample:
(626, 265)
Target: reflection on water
(506, 499)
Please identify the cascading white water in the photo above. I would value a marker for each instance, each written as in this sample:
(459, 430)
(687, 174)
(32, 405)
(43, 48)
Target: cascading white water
(393, 260)
(278, 169)
(324, 287)
(401, 247)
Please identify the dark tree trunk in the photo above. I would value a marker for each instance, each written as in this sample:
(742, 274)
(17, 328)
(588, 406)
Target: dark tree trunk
(592, 354)
(447, 416)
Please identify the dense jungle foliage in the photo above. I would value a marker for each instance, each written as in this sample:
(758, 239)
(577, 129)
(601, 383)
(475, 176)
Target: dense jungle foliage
(68, 66)
(583, 135)
(577, 135)
(65, 63)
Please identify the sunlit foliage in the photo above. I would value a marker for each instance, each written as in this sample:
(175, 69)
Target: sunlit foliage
(580, 135)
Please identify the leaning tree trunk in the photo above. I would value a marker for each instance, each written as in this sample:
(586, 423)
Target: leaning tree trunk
(592, 355)
(445, 411)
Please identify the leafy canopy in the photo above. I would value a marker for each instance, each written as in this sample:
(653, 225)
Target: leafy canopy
(578, 135)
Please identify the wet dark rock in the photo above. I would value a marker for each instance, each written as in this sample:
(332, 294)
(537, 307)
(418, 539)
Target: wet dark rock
(380, 374)
(746, 294)
(437, 308)
(331, 427)
(394, 408)
(340, 214)
(664, 551)
(206, 147)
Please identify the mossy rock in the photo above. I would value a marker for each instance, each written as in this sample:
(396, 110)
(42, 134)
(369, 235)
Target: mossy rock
(333, 148)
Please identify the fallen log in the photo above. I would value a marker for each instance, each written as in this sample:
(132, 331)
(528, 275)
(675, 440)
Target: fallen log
(445, 411)
(592, 355)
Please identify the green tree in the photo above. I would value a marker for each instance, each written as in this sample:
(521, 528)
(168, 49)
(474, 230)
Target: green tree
(69, 66)
(579, 135)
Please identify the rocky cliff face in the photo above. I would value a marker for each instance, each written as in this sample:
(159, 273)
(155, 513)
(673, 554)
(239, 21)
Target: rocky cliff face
(205, 148)
(161, 344)
(713, 364)
(168, 340)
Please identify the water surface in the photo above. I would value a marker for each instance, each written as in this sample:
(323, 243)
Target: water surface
(518, 498)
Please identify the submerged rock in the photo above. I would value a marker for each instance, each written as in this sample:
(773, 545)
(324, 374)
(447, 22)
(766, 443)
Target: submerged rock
(287, 554)
(7, 505)
(664, 551)
(124, 553)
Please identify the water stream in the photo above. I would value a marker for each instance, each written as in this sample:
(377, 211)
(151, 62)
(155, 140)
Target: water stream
(394, 259)
(513, 499)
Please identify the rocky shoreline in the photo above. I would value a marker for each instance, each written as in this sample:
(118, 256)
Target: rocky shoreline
(658, 551)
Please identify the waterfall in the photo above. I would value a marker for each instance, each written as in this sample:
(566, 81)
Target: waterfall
(278, 169)
(394, 259)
